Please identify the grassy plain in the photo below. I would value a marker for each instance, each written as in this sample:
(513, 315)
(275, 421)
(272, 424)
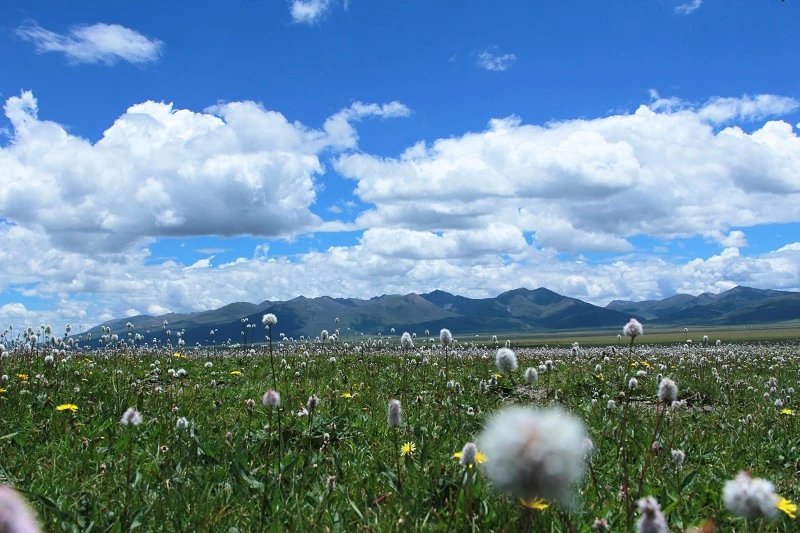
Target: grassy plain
(240, 468)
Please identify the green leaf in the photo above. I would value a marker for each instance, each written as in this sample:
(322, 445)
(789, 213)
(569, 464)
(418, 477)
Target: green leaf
(690, 477)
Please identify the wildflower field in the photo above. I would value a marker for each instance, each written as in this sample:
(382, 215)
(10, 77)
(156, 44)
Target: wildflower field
(308, 439)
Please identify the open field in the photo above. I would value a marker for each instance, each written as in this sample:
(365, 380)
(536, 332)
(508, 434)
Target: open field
(202, 459)
(665, 335)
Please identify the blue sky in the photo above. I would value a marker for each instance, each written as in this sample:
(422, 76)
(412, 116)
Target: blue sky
(175, 156)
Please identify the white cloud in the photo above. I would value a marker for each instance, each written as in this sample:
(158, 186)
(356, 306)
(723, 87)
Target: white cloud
(793, 247)
(86, 289)
(664, 171)
(734, 239)
(98, 43)
(236, 168)
(309, 11)
(687, 8)
(474, 214)
(490, 61)
(748, 108)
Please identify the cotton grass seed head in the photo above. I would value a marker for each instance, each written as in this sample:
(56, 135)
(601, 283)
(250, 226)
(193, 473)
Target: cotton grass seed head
(652, 520)
(534, 453)
(678, 457)
(633, 328)
(15, 515)
(667, 391)
(506, 360)
(393, 417)
(271, 399)
(445, 337)
(269, 319)
(131, 417)
(749, 497)
(531, 375)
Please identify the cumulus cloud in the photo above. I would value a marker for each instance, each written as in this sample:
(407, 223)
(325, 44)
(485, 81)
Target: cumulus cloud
(236, 168)
(734, 239)
(97, 43)
(488, 60)
(665, 170)
(475, 214)
(309, 11)
(383, 261)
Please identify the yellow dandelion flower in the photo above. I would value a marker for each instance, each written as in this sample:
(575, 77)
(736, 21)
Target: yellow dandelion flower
(67, 407)
(787, 411)
(2, 391)
(347, 394)
(537, 504)
(23, 377)
(645, 364)
(407, 449)
(787, 507)
(236, 372)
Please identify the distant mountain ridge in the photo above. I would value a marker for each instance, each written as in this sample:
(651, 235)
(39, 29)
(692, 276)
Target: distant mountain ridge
(519, 310)
(740, 305)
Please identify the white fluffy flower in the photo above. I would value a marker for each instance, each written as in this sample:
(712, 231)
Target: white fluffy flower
(534, 453)
(506, 360)
(406, 341)
(15, 514)
(667, 391)
(181, 423)
(469, 454)
(750, 497)
(131, 417)
(269, 319)
(652, 520)
(633, 328)
(394, 411)
(531, 375)
(678, 457)
(271, 399)
(445, 337)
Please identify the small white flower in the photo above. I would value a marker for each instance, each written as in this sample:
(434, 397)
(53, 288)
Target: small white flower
(131, 417)
(678, 457)
(181, 423)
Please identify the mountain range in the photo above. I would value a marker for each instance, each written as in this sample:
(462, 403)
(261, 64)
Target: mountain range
(518, 311)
